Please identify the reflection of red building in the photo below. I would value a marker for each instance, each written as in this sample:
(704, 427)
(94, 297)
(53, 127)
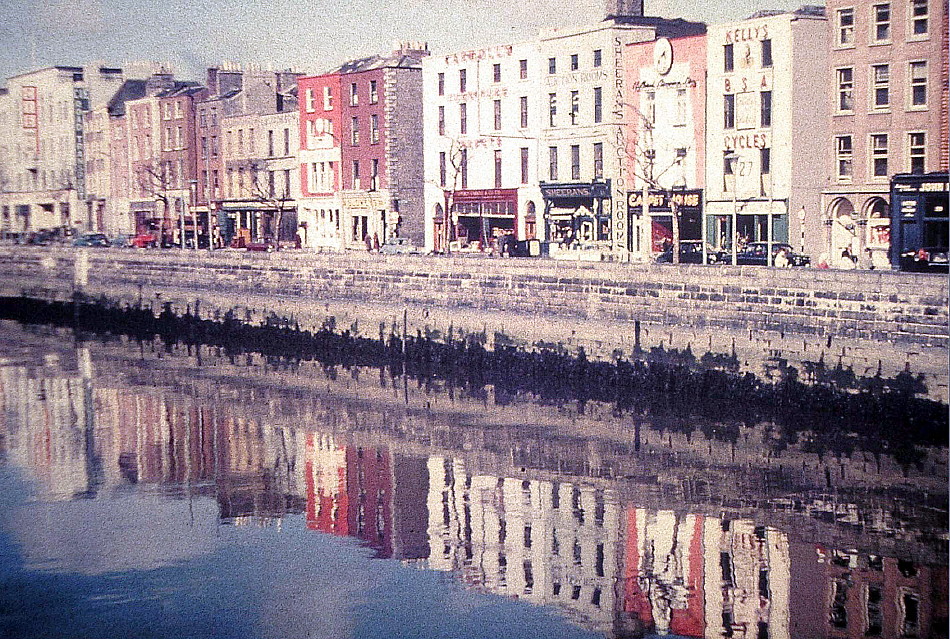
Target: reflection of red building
(664, 573)
(349, 492)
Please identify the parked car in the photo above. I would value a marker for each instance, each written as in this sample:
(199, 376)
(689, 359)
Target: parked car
(691, 252)
(264, 245)
(755, 254)
(397, 246)
(928, 259)
(91, 239)
(144, 240)
(123, 240)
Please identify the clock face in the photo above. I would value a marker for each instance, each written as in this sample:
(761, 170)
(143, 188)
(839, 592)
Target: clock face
(663, 56)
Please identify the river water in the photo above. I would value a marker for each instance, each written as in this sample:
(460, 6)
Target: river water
(151, 490)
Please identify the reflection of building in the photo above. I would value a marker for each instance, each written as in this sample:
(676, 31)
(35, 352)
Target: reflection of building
(765, 129)
(888, 113)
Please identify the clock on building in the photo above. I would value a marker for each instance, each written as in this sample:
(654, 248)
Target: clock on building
(662, 56)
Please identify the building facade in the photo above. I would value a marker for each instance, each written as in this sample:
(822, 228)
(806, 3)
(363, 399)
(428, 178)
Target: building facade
(43, 179)
(666, 88)
(888, 115)
(764, 129)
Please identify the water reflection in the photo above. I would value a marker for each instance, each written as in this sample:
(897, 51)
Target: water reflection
(650, 531)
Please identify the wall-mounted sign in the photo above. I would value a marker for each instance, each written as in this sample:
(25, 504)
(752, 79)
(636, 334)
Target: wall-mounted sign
(660, 200)
(594, 190)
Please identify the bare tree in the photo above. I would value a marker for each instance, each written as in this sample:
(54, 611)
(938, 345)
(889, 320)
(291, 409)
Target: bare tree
(153, 180)
(265, 190)
(449, 183)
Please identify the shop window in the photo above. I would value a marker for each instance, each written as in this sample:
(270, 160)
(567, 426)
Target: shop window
(845, 80)
(845, 27)
(917, 151)
(881, 28)
(919, 19)
(918, 84)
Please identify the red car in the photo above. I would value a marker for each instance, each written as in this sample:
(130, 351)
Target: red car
(144, 240)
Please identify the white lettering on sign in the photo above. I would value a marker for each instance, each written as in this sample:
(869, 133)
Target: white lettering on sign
(745, 141)
(745, 34)
(620, 230)
(576, 78)
(745, 83)
(491, 53)
(492, 92)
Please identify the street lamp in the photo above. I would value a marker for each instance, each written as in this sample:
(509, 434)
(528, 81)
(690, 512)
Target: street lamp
(730, 158)
(192, 187)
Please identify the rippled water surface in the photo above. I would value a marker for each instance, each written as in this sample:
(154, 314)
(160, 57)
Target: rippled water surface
(157, 491)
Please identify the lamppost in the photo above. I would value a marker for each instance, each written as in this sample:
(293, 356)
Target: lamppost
(730, 159)
(192, 187)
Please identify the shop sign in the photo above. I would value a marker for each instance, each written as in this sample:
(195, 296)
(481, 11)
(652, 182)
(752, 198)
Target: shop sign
(924, 187)
(642, 85)
(747, 34)
(660, 200)
(489, 93)
(485, 195)
(363, 202)
(597, 190)
(490, 53)
(576, 78)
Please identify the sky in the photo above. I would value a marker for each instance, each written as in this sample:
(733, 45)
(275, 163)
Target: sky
(309, 35)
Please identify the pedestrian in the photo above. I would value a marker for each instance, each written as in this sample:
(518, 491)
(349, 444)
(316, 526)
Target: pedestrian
(376, 242)
(823, 261)
(848, 259)
(369, 243)
(781, 258)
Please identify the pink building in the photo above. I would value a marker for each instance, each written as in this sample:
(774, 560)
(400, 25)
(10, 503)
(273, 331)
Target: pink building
(666, 91)
(888, 96)
(320, 156)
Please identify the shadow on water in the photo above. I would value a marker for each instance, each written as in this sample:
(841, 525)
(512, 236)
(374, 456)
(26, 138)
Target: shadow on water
(828, 409)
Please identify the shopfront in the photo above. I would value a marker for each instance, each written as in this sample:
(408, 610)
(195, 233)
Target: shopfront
(575, 214)
(919, 214)
(367, 215)
(482, 216)
(689, 209)
(730, 225)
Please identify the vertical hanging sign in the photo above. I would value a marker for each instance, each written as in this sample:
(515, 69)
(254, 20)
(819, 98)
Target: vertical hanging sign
(80, 106)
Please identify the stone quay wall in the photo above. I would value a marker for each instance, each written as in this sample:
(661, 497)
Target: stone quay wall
(876, 305)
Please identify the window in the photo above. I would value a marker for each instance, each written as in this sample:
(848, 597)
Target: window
(286, 192)
(286, 142)
(766, 110)
(729, 111)
(552, 108)
(327, 99)
(524, 112)
(497, 111)
(311, 101)
(497, 168)
(463, 118)
(845, 89)
(441, 84)
(463, 168)
(879, 154)
(765, 161)
(918, 151)
(552, 65)
(598, 104)
(373, 92)
(374, 129)
(552, 163)
(728, 163)
(881, 78)
(766, 53)
(575, 105)
(918, 84)
(598, 58)
(918, 18)
(496, 72)
(575, 162)
(374, 175)
(355, 173)
(598, 160)
(523, 69)
(649, 107)
(354, 96)
(463, 80)
(845, 27)
(844, 156)
(355, 131)
(881, 15)
(575, 63)
(441, 168)
(728, 59)
(441, 120)
(524, 165)
(680, 108)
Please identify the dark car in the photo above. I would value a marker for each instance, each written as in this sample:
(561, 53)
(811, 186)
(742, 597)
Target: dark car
(929, 259)
(691, 252)
(91, 239)
(755, 254)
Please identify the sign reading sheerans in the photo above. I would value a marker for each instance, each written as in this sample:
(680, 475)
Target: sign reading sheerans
(80, 106)
(620, 230)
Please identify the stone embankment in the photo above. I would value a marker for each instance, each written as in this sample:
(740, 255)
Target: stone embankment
(870, 320)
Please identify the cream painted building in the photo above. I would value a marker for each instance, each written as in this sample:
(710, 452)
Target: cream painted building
(766, 129)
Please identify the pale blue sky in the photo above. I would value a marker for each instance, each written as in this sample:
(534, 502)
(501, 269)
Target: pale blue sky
(313, 35)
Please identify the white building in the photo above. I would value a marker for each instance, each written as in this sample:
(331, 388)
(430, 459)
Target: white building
(481, 122)
(43, 185)
(766, 127)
